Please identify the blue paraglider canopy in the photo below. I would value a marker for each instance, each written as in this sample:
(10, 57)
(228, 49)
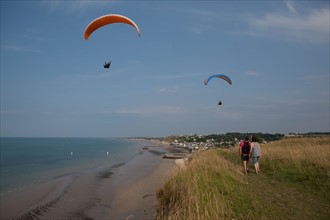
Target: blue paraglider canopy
(220, 76)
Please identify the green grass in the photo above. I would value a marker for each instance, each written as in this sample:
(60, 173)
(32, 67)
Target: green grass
(293, 184)
(303, 162)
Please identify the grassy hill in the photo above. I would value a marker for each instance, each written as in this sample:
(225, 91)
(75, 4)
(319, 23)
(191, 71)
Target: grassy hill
(294, 183)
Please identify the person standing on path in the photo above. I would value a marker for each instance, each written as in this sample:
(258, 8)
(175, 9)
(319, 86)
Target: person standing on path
(255, 153)
(244, 151)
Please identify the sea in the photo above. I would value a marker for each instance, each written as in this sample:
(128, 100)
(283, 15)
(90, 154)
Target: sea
(29, 161)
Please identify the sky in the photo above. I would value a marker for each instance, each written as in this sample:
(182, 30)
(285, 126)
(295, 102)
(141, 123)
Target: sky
(53, 83)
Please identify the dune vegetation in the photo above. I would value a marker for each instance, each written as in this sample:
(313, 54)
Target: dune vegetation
(294, 183)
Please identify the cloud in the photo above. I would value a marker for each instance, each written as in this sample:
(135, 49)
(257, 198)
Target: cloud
(179, 76)
(79, 5)
(146, 110)
(206, 21)
(290, 6)
(196, 30)
(316, 77)
(226, 113)
(204, 13)
(75, 6)
(16, 48)
(169, 89)
(252, 73)
(312, 27)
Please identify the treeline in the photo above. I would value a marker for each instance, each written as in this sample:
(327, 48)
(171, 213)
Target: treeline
(311, 134)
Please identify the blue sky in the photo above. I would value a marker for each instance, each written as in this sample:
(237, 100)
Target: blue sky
(53, 83)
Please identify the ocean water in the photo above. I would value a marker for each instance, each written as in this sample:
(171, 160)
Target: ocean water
(26, 161)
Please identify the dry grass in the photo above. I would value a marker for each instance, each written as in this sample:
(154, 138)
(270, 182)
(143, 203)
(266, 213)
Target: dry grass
(212, 186)
(201, 189)
(300, 150)
(301, 161)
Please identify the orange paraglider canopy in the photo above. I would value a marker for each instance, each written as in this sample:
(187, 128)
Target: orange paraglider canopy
(105, 20)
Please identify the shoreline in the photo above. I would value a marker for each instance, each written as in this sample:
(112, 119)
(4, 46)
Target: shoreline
(117, 191)
(135, 195)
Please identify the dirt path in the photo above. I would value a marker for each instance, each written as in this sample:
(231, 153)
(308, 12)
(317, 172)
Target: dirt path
(275, 199)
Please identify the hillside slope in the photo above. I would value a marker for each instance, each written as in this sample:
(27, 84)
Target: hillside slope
(294, 183)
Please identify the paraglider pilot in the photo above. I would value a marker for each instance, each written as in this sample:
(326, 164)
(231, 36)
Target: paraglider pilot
(107, 65)
(220, 103)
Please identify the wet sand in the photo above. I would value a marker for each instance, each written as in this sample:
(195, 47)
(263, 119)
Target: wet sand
(122, 191)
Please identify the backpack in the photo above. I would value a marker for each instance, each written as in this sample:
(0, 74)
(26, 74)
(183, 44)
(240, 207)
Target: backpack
(246, 148)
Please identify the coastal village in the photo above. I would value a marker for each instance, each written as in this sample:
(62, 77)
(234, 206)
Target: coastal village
(197, 142)
(196, 145)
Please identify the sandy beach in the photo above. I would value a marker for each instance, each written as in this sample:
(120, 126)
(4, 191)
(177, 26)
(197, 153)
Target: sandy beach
(121, 191)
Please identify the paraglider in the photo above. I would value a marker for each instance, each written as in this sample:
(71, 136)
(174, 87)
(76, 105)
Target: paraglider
(224, 77)
(108, 19)
(220, 76)
(107, 65)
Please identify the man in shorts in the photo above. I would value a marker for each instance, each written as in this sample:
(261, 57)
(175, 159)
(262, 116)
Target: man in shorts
(244, 152)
